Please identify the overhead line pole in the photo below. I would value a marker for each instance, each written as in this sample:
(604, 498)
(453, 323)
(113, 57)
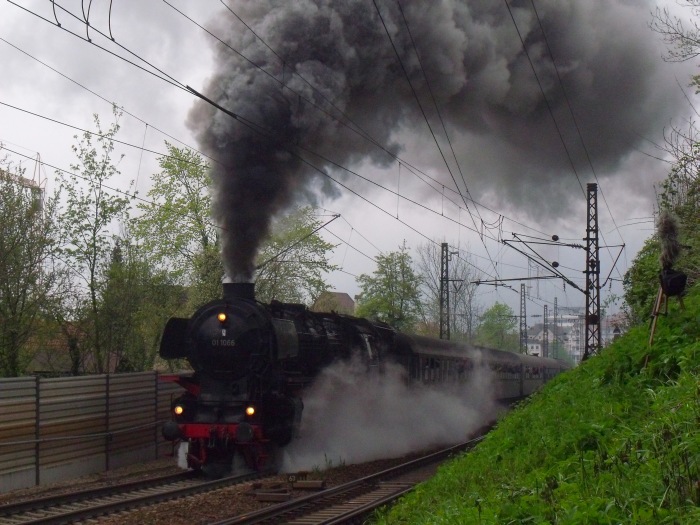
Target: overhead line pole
(545, 334)
(444, 293)
(592, 275)
(523, 320)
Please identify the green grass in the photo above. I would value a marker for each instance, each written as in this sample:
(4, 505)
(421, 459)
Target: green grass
(613, 441)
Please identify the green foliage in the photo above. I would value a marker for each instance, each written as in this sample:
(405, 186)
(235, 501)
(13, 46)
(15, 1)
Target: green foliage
(392, 293)
(176, 230)
(27, 237)
(293, 260)
(613, 441)
(497, 328)
(87, 224)
(206, 277)
(174, 227)
(641, 282)
(135, 304)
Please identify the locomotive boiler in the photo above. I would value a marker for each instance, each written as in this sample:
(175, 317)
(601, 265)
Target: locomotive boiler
(252, 361)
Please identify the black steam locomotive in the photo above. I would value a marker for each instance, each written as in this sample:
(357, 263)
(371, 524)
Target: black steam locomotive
(252, 361)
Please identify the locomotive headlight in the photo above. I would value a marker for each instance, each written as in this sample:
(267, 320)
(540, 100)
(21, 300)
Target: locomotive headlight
(221, 317)
(250, 410)
(178, 410)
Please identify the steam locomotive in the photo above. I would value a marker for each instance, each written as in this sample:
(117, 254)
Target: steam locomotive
(252, 362)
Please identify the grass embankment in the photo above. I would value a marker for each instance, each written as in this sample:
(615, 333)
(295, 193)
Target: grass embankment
(612, 441)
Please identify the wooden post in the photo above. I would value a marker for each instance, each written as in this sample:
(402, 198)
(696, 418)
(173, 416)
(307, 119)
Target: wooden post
(660, 299)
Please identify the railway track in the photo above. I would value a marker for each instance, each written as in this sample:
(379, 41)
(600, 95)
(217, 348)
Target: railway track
(352, 502)
(93, 503)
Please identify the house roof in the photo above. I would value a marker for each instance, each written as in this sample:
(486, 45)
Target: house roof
(334, 301)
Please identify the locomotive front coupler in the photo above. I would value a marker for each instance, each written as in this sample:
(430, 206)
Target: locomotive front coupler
(212, 438)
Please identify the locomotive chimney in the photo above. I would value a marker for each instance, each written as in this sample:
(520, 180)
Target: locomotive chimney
(239, 291)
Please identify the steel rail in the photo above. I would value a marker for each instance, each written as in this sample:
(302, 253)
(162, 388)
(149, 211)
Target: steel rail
(68, 508)
(288, 511)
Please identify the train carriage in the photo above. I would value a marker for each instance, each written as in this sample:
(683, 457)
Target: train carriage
(253, 361)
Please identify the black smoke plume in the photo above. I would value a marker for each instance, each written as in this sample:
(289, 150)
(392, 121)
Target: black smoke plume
(498, 113)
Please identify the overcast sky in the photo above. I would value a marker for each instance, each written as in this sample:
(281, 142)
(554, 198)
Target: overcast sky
(526, 171)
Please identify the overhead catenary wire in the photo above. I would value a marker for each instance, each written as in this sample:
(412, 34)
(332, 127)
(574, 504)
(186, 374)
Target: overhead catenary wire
(578, 129)
(58, 25)
(175, 82)
(444, 128)
(403, 222)
(303, 160)
(544, 97)
(355, 127)
(111, 103)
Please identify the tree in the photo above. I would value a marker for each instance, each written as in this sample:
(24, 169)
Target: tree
(92, 212)
(136, 304)
(497, 328)
(27, 237)
(176, 230)
(175, 226)
(463, 310)
(292, 261)
(683, 38)
(392, 293)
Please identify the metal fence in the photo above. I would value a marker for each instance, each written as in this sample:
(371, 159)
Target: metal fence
(54, 429)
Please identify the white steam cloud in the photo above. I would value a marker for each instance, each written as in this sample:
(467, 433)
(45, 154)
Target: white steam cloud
(352, 416)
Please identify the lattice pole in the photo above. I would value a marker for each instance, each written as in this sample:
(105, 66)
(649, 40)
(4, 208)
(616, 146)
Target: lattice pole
(523, 320)
(545, 333)
(444, 293)
(556, 330)
(592, 275)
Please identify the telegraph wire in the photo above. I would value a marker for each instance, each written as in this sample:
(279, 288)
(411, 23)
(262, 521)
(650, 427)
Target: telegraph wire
(138, 171)
(179, 85)
(357, 231)
(151, 203)
(551, 112)
(250, 124)
(576, 126)
(319, 170)
(444, 129)
(101, 135)
(373, 259)
(261, 130)
(169, 78)
(355, 127)
(415, 95)
(544, 96)
(116, 190)
(121, 108)
(426, 208)
(57, 24)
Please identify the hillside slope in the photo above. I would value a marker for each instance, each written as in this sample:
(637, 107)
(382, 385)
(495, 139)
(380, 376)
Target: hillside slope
(615, 440)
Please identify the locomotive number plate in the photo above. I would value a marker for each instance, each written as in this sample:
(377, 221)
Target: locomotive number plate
(223, 342)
